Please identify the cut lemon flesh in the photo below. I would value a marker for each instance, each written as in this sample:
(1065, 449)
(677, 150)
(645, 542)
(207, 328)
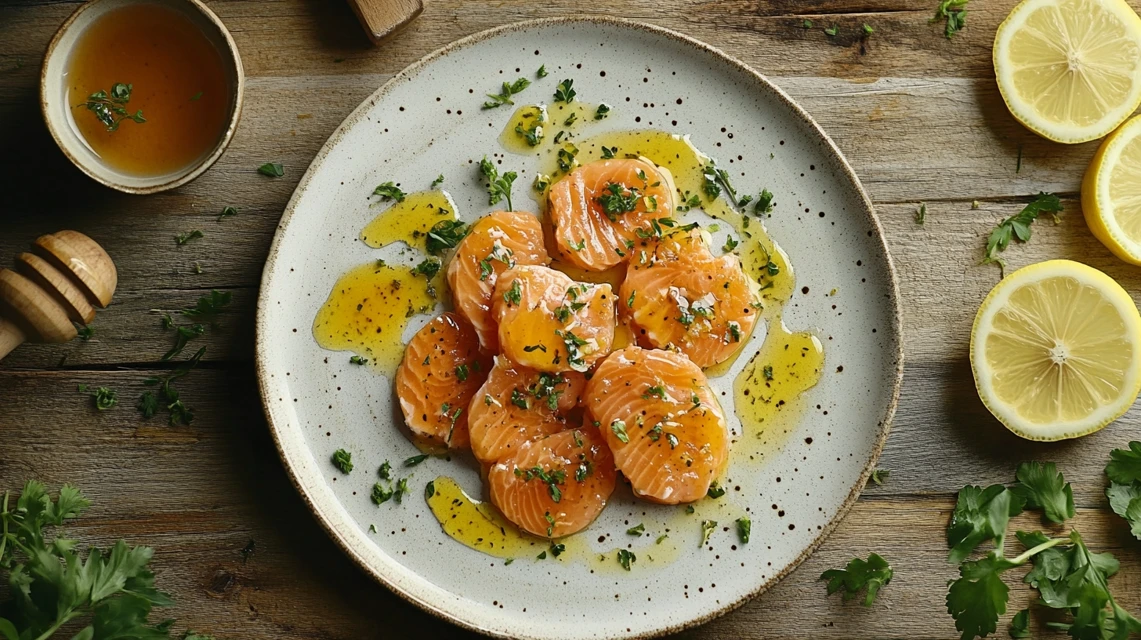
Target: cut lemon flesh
(1111, 192)
(1056, 351)
(1070, 70)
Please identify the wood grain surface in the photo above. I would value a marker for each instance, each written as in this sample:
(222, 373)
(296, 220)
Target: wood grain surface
(919, 117)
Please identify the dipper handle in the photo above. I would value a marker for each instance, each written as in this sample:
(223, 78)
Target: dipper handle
(382, 17)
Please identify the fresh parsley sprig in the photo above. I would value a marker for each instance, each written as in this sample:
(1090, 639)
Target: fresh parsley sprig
(504, 96)
(1124, 492)
(498, 186)
(1018, 226)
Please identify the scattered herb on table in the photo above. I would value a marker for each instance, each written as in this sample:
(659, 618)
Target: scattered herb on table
(807, 24)
(832, 31)
(343, 460)
(1020, 624)
(86, 332)
(182, 335)
(272, 169)
(1124, 492)
(1017, 227)
(1040, 486)
(208, 307)
(498, 187)
(104, 398)
(167, 395)
(921, 213)
(868, 30)
(184, 238)
(870, 575)
(108, 107)
(954, 12)
(196, 97)
(880, 476)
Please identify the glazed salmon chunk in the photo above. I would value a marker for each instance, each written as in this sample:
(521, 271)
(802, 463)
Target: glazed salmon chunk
(518, 404)
(555, 485)
(662, 422)
(442, 369)
(551, 323)
(677, 294)
(494, 244)
(598, 209)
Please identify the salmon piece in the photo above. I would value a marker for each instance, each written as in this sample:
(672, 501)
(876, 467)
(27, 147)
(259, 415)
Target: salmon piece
(551, 323)
(661, 421)
(598, 209)
(556, 485)
(517, 404)
(494, 244)
(441, 371)
(679, 295)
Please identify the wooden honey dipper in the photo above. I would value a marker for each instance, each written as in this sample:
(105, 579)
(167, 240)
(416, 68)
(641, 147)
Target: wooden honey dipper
(59, 284)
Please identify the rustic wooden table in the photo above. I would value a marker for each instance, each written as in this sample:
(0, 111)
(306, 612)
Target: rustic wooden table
(919, 116)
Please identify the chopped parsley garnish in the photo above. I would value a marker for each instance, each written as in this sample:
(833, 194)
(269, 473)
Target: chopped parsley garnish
(272, 169)
(577, 246)
(735, 331)
(764, 203)
(617, 199)
(1018, 226)
(832, 31)
(462, 372)
(656, 391)
(564, 92)
(879, 476)
(626, 558)
(444, 235)
(744, 528)
(730, 244)
(505, 93)
(557, 549)
(533, 134)
(709, 181)
(619, 429)
(513, 295)
(807, 24)
(109, 109)
(870, 574)
(385, 471)
(227, 212)
(381, 494)
(672, 439)
(573, 345)
(86, 332)
(389, 191)
(868, 30)
(542, 72)
(608, 152)
(630, 300)
(921, 213)
(543, 554)
(715, 490)
(544, 387)
(428, 268)
(534, 347)
(400, 490)
(570, 119)
(602, 111)
(636, 531)
(104, 398)
(343, 460)
(498, 187)
(567, 157)
(542, 181)
(552, 479)
(689, 201)
(519, 400)
(415, 460)
(767, 372)
(550, 523)
(707, 528)
(357, 360)
(437, 182)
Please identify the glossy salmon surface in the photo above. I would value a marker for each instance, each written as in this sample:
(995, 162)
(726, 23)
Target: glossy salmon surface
(551, 323)
(517, 404)
(662, 422)
(598, 209)
(555, 485)
(442, 369)
(677, 294)
(494, 244)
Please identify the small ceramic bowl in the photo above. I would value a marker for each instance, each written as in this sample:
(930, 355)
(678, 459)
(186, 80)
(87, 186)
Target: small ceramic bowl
(58, 113)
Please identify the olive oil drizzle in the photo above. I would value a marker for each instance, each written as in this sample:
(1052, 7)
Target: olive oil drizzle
(410, 220)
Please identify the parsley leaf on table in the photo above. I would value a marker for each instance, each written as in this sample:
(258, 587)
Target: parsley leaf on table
(980, 515)
(871, 574)
(955, 13)
(978, 597)
(1125, 464)
(1124, 491)
(1041, 487)
(1018, 226)
(1020, 625)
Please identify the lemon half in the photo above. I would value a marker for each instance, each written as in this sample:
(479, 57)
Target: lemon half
(1070, 70)
(1111, 192)
(1056, 351)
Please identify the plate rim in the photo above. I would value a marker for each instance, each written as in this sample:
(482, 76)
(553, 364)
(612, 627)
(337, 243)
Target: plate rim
(868, 209)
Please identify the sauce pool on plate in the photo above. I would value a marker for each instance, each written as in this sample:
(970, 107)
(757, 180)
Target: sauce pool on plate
(150, 59)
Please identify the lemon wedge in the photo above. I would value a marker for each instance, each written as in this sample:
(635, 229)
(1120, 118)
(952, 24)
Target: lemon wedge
(1111, 192)
(1070, 70)
(1056, 351)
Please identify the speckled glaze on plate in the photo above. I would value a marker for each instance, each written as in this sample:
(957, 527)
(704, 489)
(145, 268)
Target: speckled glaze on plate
(428, 121)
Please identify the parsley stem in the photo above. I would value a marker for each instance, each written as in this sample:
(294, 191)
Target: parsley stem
(1036, 550)
(59, 623)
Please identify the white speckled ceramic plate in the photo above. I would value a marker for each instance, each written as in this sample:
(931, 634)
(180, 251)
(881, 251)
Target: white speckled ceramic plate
(428, 121)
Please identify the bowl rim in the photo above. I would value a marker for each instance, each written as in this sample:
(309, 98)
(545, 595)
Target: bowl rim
(287, 449)
(234, 61)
